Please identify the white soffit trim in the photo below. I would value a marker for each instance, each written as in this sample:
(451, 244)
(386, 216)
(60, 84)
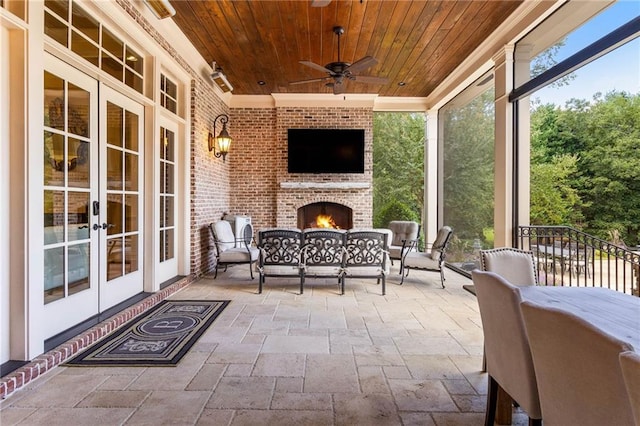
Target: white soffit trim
(400, 104)
(324, 100)
(525, 18)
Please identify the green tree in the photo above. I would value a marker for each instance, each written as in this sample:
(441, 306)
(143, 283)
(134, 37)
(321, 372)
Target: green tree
(398, 166)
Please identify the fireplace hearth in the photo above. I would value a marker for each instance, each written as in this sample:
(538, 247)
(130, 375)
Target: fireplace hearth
(325, 215)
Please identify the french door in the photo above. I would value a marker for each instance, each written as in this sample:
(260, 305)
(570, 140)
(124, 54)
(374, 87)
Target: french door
(92, 193)
(167, 209)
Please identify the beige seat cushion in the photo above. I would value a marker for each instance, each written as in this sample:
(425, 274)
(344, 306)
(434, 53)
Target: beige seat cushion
(421, 260)
(239, 254)
(224, 235)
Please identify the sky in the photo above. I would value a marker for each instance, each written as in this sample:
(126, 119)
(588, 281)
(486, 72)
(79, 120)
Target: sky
(619, 70)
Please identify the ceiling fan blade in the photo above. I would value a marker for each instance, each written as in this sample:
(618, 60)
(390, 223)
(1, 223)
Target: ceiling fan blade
(338, 88)
(316, 66)
(362, 64)
(313, 80)
(370, 79)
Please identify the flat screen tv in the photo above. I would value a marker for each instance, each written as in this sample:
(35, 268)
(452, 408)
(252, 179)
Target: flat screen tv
(326, 150)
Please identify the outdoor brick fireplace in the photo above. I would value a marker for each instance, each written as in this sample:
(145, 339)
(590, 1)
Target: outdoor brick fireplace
(325, 215)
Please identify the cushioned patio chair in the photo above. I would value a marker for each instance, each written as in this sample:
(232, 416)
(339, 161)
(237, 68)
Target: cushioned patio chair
(630, 364)
(366, 256)
(280, 251)
(225, 248)
(577, 369)
(509, 362)
(322, 254)
(431, 260)
(405, 234)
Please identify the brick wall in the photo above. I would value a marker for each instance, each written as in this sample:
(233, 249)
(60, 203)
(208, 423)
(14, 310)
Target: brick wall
(259, 154)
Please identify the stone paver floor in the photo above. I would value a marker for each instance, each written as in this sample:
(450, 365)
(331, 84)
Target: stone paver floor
(411, 357)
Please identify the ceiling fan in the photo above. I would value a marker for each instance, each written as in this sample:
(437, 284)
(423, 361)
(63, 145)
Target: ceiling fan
(340, 71)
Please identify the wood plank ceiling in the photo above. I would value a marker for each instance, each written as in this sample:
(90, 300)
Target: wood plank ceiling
(417, 43)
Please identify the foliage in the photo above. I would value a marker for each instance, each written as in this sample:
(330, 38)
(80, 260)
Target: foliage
(584, 165)
(398, 167)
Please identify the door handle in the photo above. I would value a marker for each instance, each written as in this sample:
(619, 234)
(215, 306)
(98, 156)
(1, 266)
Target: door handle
(107, 225)
(96, 226)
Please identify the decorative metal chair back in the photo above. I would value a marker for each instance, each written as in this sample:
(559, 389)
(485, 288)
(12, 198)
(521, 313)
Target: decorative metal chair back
(323, 247)
(366, 248)
(280, 246)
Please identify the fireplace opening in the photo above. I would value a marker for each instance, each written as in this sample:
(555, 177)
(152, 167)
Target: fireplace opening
(325, 215)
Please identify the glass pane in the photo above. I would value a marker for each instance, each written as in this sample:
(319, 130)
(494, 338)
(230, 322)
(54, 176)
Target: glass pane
(56, 29)
(131, 131)
(114, 169)
(79, 173)
(112, 44)
(168, 189)
(79, 111)
(162, 249)
(168, 244)
(163, 172)
(131, 171)
(78, 215)
(54, 160)
(170, 145)
(53, 274)
(82, 21)
(467, 143)
(114, 124)
(171, 105)
(54, 108)
(114, 214)
(162, 210)
(112, 66)
(134, 61)
(114, 258)
(133, 80)
(131, 253)
(163, 143)
(84, 48)
(171, 89)
(78, 270)
(59, 7)
(53, 217)
(169, 211)
(131, 213)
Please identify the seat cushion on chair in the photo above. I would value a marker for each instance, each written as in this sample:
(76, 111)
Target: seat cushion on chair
(395, 252)
(364, 271)
(323, 271)
(292, 270)
(421, 261)
(239, 254)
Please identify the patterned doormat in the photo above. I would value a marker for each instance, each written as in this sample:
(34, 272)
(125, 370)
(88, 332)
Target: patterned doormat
(162, 336)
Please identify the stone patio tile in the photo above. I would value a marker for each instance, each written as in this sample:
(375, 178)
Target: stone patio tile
(207, 378)
(170, 407)
(470, 403)
(365, 409)
(421, 395)
(429, 346)
(417, 419)
(296, 344)
(301, 401)
(116, 383)
(238, 370)
(459, 387)
(235, 353)
(327, 319)
(61, 391)
(289, 384)
(458, 419)
(223, 334)
(211, 417)
(11, 416)
(282, 417)
(242, 393)
(432, 367)
(306, 331)
(109, 399)
(379, 359)
(77, 416)
(283, 365)
(369, 349)
(396, 372)
(352, 337)
(372, 380)
(331, 374)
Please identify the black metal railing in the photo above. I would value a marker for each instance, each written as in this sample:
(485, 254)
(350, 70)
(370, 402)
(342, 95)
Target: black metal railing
(568, 257)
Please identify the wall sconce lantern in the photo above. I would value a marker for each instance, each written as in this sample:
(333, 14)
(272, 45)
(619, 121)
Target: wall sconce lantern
(223, 139)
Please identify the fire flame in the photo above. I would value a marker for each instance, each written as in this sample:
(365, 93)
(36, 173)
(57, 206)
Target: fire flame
(325, 221)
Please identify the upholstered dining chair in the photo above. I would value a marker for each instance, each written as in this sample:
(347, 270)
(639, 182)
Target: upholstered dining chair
(404, 236)
(514, 265)
(577, 369)
(430, 260)
(225, 246)
(509, 363)
(630, 364)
